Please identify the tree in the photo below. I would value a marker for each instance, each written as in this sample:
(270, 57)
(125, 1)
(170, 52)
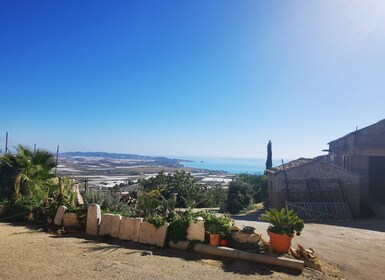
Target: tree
(240, 196)
(269, 161)
(180, 184)
(30, 171)
(258, 184)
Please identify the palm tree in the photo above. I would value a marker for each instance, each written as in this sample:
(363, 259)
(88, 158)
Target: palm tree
(32, 170)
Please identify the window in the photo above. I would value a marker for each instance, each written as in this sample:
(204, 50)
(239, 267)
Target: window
(345, 162)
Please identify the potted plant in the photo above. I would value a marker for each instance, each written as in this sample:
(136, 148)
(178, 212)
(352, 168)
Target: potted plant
(217, 226)
(283, 225)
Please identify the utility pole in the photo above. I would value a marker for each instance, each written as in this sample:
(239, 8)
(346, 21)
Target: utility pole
(6, 142)
(57, 157)
(34, 148)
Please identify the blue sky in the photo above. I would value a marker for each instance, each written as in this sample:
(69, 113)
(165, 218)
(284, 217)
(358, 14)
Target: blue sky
(190, 78)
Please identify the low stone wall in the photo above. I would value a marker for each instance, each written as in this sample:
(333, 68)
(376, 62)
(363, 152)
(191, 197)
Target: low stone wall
(70, 220)
(134, 229)
(110, 225)
(149, 234)
(130, 229)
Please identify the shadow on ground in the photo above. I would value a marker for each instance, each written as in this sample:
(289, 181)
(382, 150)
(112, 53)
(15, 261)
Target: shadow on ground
(374, 224)
(109, 245)
(253, 216)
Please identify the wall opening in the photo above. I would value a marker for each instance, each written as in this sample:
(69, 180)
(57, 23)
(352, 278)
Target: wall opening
(377, 179)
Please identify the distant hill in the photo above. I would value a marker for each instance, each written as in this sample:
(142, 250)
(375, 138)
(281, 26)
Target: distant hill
(119, 156)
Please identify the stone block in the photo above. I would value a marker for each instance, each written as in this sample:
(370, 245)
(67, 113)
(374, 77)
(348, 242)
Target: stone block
(240, 237)
(70, 220)
(130, 228)
(93, 219)
(105, 224)
(59, 215)
(79, 201)
(196, 231)
(254, 238)
(218, 251)
(149, 234)
(115, 225)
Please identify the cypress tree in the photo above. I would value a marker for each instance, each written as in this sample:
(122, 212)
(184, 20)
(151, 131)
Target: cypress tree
(269, 161)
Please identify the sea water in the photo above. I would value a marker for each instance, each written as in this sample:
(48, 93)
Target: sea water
(230, 165)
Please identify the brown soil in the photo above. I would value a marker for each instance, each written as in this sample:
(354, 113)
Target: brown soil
(27, 252)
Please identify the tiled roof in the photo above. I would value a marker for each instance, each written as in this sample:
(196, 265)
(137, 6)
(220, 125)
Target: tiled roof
(290, 164)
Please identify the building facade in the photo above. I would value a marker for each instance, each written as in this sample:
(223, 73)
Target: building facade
(313, 180)
(363, 153)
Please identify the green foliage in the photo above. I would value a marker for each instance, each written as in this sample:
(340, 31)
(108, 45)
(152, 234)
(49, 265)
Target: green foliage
(240, 196)
(108, 203)
(65, 194)
(283, 222)
(269, 160)
(82, 216)
(156, 219)
(154, 208)
(23, 205)
(28, 173)
(177, 230)
(179, 183)
(258, 184)
(212, 197)
(220, 225)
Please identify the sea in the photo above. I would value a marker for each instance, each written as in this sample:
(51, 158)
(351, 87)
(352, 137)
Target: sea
(230, 165)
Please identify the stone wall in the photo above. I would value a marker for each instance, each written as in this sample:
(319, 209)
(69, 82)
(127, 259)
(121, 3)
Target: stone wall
(125, 228)
(313, 171)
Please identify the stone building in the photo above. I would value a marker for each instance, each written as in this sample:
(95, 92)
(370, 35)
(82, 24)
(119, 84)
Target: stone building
(363, 153)
(313, 180)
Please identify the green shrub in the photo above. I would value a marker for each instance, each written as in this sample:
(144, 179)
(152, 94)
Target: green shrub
(220, 225)
(108, 203)
(23, 205)
(283, 222)
(239, 197)
(156, 220)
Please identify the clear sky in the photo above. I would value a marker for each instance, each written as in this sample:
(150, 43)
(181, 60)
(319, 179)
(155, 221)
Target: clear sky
(193, 78)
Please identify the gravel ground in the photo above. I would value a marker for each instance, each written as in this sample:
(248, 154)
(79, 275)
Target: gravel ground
(350, 250)
(353, 250)
(29, 253)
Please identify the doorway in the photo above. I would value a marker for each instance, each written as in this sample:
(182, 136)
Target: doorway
(377, 179)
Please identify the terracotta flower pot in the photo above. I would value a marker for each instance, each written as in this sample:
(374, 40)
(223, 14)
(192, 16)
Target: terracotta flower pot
(280, 243)
(223, 242)
(214, 239)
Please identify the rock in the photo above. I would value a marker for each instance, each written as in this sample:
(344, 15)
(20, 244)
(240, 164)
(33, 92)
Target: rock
(235, 228)
(248, 230)
(110, 224)
(59, 215)
(70, 220)
(115, 225)
(149, 234)
(78, 197)
(93, 219)
(254, 238)
(241, 237)
(130, 228)
(196, 230)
